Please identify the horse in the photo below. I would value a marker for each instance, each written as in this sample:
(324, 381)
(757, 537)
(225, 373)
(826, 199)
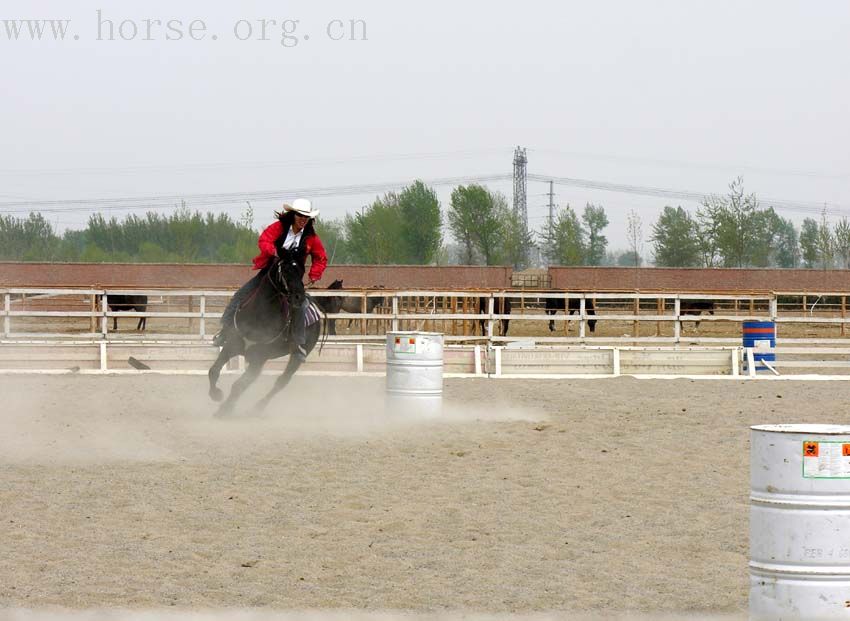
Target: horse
(695, 307)
(501, 306)
(127, 303)
(260, 332)
(348, 304)
(553, 305)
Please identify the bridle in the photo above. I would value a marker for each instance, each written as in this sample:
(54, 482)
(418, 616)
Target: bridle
(278, 267)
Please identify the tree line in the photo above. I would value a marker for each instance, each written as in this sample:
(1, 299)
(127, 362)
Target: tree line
(406, 228)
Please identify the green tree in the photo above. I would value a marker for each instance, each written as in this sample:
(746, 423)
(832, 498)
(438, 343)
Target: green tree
(674, 239)
(476, 223)
(735, 223)
(564, 240)
(809, 243)
(180, 237)
(516, 240)
(595, 221)
(332, 233)
(629, 259)
(634, 230)
(766, 225)
(422, 223)
(29, 239)
(465, 202)
(786, 252)
(375, 235)
(707, 230)
(825, 244)
(841, 236)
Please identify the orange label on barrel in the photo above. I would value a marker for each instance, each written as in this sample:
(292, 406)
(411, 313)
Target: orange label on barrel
(810, 449)
(845, 450)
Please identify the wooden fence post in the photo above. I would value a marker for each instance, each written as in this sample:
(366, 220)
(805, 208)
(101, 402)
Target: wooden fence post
(659, 307)
(636, 323)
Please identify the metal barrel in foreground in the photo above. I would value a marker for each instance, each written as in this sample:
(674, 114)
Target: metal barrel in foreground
(415, 373)
(800, 522)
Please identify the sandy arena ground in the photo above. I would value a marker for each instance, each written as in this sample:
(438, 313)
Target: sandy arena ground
(540, 498)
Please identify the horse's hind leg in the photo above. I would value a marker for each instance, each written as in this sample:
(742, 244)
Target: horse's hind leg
(253, 371)
(281, 382)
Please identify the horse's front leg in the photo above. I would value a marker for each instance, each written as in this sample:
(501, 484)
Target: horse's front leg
(227, 352)
(255, 367)
(281, 382)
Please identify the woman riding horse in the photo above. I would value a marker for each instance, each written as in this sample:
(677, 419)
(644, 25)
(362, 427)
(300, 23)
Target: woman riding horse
(290, 238)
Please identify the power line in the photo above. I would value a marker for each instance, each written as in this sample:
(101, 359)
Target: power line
(803, 206)
(164, 201)
(695, 165)
(225, 198)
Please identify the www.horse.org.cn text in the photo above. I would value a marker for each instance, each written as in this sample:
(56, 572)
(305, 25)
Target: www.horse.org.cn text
(286, 32)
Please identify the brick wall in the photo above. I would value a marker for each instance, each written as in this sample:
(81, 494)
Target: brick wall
(696, 279)
(180, 276)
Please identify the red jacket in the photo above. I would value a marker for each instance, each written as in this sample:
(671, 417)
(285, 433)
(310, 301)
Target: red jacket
(313, 246)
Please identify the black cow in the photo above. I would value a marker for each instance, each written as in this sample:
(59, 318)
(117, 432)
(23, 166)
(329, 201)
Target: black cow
(553, 305)
(501, 306)
(695, 307)
(127, 303)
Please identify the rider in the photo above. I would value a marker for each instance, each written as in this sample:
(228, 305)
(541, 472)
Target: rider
(290, 238)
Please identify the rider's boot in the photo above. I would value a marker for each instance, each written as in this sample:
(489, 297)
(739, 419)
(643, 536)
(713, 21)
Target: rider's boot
(218, 340)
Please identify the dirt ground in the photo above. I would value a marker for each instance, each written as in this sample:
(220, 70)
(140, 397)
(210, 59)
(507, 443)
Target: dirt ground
(595, 497)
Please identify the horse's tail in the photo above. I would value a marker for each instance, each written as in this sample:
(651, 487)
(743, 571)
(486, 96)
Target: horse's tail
(323, 324)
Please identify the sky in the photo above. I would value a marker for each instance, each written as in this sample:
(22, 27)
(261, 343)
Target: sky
(679, 95)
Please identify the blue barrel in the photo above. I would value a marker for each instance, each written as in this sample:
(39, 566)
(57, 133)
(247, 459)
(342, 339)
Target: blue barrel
(761, 337)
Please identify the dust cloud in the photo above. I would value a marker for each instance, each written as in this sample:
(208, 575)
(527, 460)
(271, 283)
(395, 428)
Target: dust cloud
(88, 419)
(597, 498)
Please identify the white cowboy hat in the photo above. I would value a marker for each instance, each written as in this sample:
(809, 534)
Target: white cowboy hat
(302, 206)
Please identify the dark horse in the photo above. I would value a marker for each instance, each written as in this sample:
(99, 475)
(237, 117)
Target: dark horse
(348, 304)
(553, 305)
(501, 306)
(127, 303)
(695, 307)
(260, 331)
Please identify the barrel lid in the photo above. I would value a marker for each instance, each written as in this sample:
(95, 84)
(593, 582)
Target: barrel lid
(413, 333)
(805, 428)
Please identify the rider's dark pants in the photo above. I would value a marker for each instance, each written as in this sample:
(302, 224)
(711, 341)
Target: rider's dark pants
(238, 297)
(297, 308)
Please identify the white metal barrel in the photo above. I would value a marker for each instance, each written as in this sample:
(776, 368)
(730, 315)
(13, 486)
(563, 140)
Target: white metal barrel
(800, 522)
(415, 372)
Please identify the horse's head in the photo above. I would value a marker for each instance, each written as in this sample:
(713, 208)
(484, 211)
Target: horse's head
(282, 272)
(331, 303)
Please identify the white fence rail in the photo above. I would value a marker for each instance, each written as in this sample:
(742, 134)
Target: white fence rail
(398, 312)
(49, 356)
(191, 316)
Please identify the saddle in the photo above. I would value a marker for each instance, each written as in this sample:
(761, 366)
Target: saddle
(312, 314)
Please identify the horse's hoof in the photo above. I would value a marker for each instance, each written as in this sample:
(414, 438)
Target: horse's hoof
(216, 394)
(223, 413)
